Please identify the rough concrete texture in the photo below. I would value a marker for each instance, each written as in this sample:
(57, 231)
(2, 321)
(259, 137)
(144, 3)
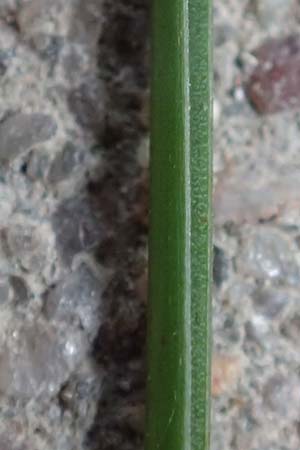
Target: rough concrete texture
(73, 223)
(256, 383)
(74, 150)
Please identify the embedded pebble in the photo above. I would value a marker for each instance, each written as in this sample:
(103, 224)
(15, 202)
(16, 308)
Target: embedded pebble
(75, 348)
(271, 302)
(78, 226)
(77, 298)
(266, 253)
(35, 364)
(225, 373)
(20, 132)
(20, 290)
(65, 163)
(273, 85)
(28, 245)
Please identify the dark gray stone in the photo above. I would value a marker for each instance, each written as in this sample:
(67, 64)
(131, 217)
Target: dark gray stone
(270, 302)
(78, 226)
(65, 163)
(85, 104)
(20, 290)
(220, 266)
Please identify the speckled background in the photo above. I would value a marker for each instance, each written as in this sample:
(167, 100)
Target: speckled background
(74, 154)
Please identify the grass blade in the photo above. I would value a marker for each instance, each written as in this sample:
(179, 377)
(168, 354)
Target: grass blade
(180, 227)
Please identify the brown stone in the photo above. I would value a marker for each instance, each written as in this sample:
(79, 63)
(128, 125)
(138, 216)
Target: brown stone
(274, 84)
(225, 373)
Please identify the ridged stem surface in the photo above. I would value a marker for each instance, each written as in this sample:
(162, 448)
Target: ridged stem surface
(179, 339)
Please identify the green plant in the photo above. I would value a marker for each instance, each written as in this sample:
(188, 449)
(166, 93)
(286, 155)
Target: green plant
(180, 227)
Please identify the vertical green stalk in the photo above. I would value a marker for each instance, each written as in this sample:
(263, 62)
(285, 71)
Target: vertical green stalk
(180, 227)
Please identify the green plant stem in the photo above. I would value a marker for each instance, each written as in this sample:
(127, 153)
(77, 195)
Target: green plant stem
(179, 340)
